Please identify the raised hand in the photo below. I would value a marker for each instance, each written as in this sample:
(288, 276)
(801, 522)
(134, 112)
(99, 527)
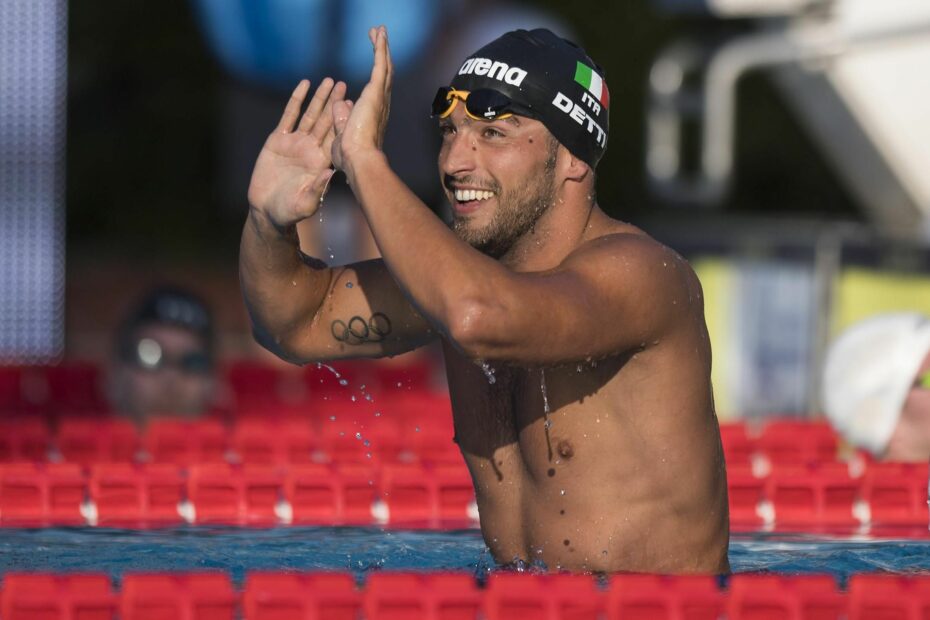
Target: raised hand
(360, 126)
(293, 169)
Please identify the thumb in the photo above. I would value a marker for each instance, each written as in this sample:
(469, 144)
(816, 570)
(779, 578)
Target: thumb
(310, 197)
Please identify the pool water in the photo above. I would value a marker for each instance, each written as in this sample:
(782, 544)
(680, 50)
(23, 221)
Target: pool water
(360, 550)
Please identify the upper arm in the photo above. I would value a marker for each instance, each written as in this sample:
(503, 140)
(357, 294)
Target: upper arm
(615, 294)
(364, 314)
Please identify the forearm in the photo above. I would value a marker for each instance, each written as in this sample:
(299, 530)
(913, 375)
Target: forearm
(282, 290)
(441, 274)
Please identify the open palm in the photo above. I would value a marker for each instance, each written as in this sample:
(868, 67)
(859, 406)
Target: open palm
(294, 166)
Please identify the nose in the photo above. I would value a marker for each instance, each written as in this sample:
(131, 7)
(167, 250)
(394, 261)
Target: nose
(458, 153)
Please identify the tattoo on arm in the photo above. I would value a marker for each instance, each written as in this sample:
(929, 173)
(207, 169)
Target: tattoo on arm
(359, 331)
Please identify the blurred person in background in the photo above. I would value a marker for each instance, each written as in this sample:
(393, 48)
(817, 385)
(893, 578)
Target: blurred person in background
(876, 386)
(163, 362)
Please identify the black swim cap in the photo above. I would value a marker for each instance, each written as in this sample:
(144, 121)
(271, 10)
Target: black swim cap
(551, 77)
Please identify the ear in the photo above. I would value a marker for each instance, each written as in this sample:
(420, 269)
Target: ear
(572, 168)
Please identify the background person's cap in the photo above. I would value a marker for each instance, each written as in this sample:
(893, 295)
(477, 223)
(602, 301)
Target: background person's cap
(869, 371)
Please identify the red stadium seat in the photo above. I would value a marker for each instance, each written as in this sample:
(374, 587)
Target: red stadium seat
(813, 496)
(274, 441)
(439, 596)
(75, 387)
(24, 439)
(46, 596)
(761, 597)
(186, 442)
(746, 494)
(738, 448)
(515, 595)
(88, 441)
(283, 596)
(223, 494)
(10, 398)
(126, 494)
(414, 376)
(642, 597)
(359, 484)
(896, 494)
(410, 494)
(190, 596)
(49, 494)
(456, 495)
(888, 596)
(314, 494)
(798, 441)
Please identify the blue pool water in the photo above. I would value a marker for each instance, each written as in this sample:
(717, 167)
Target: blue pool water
(360, 550)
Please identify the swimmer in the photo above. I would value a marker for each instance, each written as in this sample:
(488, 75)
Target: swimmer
(576, 350)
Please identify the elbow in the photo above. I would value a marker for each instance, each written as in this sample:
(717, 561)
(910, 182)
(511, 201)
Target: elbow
(282, 346)
(474, 327)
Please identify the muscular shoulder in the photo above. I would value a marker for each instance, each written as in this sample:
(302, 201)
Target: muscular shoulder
(642, 277)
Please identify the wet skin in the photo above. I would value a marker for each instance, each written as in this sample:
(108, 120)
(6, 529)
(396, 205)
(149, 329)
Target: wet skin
(630, 473)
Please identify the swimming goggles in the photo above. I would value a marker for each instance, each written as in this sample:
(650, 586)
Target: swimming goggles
(482, 104)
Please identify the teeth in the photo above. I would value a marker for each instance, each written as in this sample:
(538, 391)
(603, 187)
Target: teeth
(467, 195)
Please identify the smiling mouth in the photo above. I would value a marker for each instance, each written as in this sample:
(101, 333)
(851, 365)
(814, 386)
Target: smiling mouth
(472, 195)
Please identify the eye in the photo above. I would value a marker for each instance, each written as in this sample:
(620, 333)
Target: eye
(446, 130)
(492, 132)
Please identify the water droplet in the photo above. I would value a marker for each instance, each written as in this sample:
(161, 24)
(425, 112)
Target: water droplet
(547, 424)
(352, 398)
(578, 368)
(366, 443)
(369, 398)
(348, 285)
(362, 387)
(358, 435)
(332, 418)
(562, 492)
(488, 372)
(342, 433)
(343, 382)
(417, 429)
(368, 455)
(377, 414)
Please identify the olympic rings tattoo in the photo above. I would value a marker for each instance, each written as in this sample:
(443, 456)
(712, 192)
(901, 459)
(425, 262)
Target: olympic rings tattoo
(360, 331)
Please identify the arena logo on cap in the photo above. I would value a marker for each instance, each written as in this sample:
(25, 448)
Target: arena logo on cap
(496, 69)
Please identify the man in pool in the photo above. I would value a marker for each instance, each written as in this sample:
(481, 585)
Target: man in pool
(575, 345)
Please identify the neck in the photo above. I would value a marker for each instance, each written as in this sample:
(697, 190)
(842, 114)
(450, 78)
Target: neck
(562, 228)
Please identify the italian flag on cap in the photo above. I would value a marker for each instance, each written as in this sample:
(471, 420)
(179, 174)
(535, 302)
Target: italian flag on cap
(588, 77)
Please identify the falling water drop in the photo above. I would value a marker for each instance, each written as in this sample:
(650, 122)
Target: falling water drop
(358, 435)
(545, 396)
(488, 372)
(348, 285)
(343, 382)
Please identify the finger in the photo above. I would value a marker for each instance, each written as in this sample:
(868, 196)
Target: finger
(292, 109)
(390, 63)
(325, 122)
(320, 98)
(379, 67)
(341, 111)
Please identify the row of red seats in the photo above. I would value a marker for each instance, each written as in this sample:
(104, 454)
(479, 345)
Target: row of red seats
(435, 495)
(77, 386)
(406, 427)
(399, 595)
(411, 495)
(339, 429)
(827, 495)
